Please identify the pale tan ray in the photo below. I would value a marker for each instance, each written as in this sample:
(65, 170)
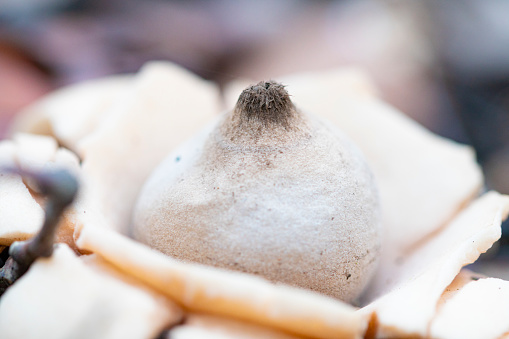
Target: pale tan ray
(231, 294)
(63, 297)
(479, 310)
(462, 279)
(164, 106)
(424, 275)
(71, 113)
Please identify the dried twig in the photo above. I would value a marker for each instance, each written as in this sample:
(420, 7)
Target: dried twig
(60, 187)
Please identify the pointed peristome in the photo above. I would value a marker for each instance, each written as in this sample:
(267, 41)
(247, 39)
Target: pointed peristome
(267, 102)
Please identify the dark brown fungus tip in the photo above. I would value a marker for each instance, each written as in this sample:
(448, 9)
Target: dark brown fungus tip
(267, 102)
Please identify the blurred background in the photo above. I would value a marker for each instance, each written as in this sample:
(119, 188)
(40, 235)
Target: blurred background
(445, 63)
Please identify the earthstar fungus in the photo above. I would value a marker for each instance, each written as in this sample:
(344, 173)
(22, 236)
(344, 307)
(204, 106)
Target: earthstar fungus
(428, 188)
(268, 190)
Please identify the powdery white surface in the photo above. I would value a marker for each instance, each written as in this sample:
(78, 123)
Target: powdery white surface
(299, 210)
(71, 113)
(424, 275)
(20, 215)
(164, 106)
(236, 295)
(62, 297)
(479, 310)
(199, 326)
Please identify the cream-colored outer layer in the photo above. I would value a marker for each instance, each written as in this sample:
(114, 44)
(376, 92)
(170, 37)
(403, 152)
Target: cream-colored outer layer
(62, 297)
(305, 214)
(231, 294)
